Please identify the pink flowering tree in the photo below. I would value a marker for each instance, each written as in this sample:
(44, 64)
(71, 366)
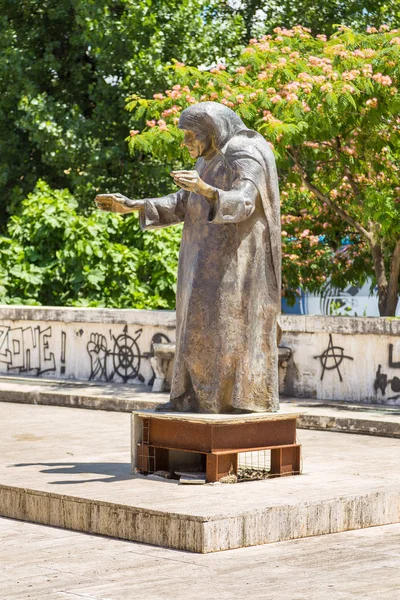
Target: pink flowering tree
(330, 110)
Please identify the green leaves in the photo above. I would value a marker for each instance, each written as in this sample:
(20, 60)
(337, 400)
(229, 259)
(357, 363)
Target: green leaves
(55, 256)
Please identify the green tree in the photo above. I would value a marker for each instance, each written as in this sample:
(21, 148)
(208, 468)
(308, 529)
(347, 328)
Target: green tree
(262, 16)
(331, 111)
(53, 255)
(66, 68)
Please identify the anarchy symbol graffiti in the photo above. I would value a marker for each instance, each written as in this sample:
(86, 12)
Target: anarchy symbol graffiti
(126, 355)
(332, 358)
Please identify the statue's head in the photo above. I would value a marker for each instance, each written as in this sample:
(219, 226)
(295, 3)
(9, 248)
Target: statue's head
(208, 126)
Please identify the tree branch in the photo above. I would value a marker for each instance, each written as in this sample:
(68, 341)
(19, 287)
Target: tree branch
(354, 185)
(321, 196)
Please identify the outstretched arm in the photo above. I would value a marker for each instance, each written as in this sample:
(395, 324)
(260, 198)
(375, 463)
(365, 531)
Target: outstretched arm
(118, 203)
(153, 212)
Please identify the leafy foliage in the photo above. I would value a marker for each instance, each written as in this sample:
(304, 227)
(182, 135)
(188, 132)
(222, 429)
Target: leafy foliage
(330, 110)
(54, 256)
(66, 69)
(262, 16)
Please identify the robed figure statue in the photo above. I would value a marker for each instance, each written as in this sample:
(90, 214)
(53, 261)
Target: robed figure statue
(229, 276)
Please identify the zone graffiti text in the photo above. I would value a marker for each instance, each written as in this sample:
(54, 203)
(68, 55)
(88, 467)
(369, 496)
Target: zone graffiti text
(27, 349)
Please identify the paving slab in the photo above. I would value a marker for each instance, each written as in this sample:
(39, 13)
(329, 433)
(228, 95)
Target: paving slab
(71, 469)
(38, 562)
(313, 414)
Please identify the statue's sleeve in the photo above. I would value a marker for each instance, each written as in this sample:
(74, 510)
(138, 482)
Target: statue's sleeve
(236, 204)
(161, 212)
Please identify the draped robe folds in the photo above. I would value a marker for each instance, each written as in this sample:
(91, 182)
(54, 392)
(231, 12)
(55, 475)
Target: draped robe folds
(228, 292)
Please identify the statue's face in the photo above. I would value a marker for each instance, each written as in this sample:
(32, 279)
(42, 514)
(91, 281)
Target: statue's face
(198, 144)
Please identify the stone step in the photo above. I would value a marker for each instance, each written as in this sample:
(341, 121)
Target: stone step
(334, 416)
(71, 469)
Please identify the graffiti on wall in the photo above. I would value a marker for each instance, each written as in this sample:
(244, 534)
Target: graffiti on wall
(332, 358)
(382, 380)
(27, 349)
(36, 350)
(123, 357)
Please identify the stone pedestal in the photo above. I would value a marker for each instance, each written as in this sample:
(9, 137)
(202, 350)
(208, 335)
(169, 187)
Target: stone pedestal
(214, 441)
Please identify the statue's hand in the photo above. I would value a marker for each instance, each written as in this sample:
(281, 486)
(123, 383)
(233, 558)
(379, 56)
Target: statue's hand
(117, 203)
(192, 182)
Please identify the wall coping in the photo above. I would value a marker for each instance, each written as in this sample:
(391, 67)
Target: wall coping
(341, 325)
(128, 316)
(166, 318)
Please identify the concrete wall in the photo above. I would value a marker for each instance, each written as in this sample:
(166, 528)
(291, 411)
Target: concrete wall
(86, 344)
(353, 359)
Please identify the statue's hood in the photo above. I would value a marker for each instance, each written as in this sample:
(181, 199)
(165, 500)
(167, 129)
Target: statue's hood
(213, 119)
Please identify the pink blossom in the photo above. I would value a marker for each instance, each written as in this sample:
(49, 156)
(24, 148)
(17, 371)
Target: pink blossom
(382, 79)
(304, 77)
(179, 64)
(350, 75)
(175, 94)
(321, 37)
(291, 98)
(191, 99)
(372, 102)
(227, 102)
(162, 124)
(271, 90)
(372, 30)
(158, 96)
(214, 96)
(133, 132)
(176, 87)
(349, 88)
(151, 123)
(334, 194)
(395, 40)
(241, 70)
(275, 99)
(240, 98)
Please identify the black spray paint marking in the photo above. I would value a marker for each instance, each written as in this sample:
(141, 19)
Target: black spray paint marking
(332, 358)
(17, 347)
(63, 351)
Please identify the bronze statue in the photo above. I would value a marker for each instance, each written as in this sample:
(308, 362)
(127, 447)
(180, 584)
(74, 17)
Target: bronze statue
(229, 277)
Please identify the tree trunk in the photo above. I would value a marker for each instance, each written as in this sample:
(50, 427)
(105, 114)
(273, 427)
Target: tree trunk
(393, 287)
(380, 274)
(387, 289)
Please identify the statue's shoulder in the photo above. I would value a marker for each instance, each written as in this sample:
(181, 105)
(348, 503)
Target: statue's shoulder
(248, 144)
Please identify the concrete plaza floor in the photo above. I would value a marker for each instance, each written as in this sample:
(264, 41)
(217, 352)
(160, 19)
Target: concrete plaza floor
(45, 563)
(70, 468)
